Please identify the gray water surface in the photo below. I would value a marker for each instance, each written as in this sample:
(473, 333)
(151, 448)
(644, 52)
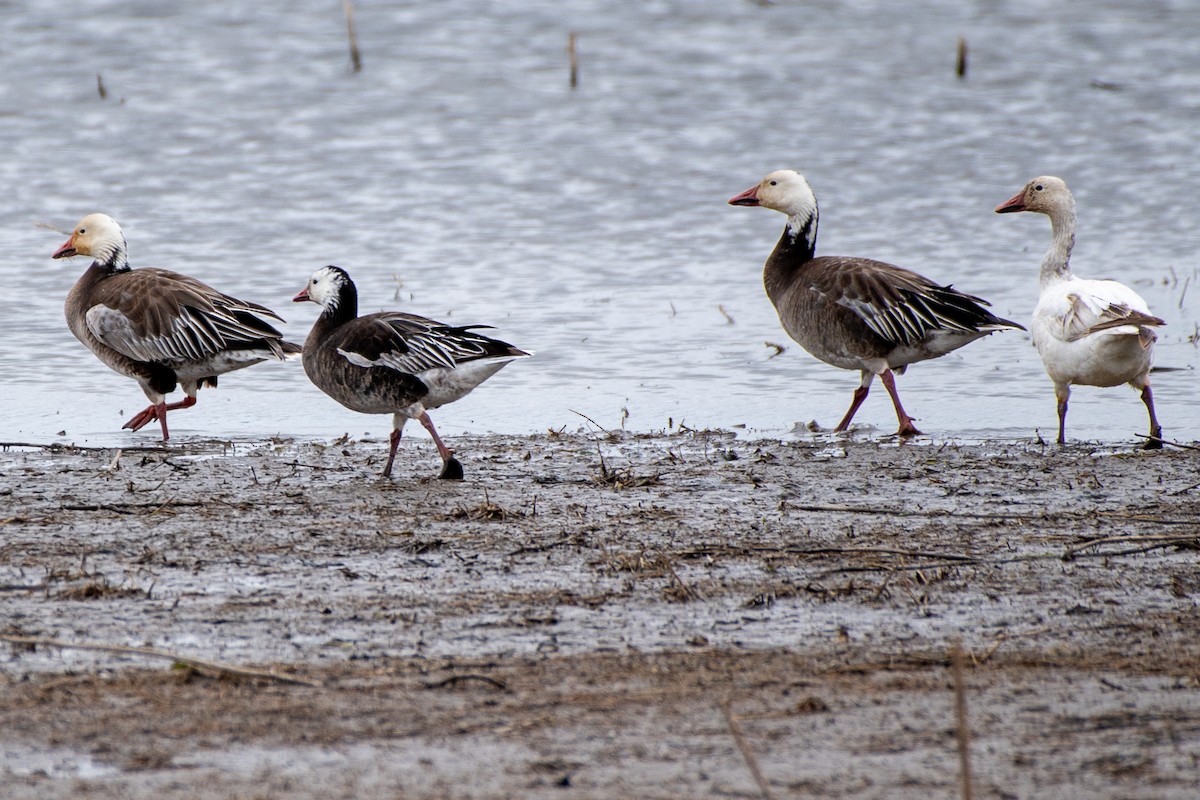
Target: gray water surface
(458, 176)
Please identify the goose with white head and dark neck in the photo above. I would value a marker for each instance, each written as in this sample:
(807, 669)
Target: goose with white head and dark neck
(1088, 332)
(857, 313)
(392, 362)
(161, 328)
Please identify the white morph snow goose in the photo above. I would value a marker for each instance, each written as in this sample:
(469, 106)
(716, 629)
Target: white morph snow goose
(1088, 332)
(856, 313)
(394, 363)
(159, 327)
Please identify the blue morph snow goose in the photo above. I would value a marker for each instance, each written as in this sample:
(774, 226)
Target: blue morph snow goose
(1088, 332)
(856, 313)
(159, 327)
(392, 362)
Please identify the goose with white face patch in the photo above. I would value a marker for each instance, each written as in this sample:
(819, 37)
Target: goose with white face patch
(159, 327)
(856, 313)
(392, 362)
(1088, 332)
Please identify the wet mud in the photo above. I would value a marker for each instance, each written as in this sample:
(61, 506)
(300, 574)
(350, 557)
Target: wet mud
(685, 614)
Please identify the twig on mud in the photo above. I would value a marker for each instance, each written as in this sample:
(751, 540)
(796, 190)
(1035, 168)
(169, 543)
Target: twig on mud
(1167, 441)
(589, 419)
(168, 502)
(735, 730)
(153, 652)
(1004, 637)
(1184, 490)
(455, 679)
(900, 512)
(1147, 518)
(619, 479)
(888, 551)
(313, 466)
(55, 447)
(131, 508)
(540, 548)
(115, 464)
(688, 592)
(721, 549)
(962, 731)
(58, 683)
(1155, 542)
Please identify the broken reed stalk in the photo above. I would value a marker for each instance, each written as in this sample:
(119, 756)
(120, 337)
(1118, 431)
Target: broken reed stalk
(355, 56)
(100, 86)
(735, 730)
(961, 730)
(201, 664)
(573, 58)
(960, 68)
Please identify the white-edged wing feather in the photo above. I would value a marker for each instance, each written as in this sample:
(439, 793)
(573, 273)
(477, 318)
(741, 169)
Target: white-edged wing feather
(194, 334)
(1078, 308)
(414, 345)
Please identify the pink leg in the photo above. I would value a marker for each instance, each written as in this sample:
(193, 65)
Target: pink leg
(394, 441)
(1155, 440)
(139, 420)
(451, 469)
(860, 394)
(445, 452)
(906, 422)
(159, 412)
(1062, 414)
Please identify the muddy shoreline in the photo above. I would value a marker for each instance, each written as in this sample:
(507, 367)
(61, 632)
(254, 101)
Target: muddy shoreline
(573, 618)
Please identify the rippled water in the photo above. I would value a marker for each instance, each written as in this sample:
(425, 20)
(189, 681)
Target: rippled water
(459, 176)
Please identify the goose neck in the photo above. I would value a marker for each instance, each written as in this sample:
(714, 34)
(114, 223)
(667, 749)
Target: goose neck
(1056, 264)
(795, 249)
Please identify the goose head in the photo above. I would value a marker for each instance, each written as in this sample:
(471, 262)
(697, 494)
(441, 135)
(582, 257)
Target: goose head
(328, 287)
(1045, 195)
(98, 236)
(783, 190)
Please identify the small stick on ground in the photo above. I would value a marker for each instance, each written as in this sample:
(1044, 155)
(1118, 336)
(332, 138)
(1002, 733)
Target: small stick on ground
(589, 419)
(454, 680)
(961, 730)
(355, 56)
(100, 86)
(1164, 540)
(1180, 445)
(687, 591)
(201, 664)
(573, 58)
(735, 730)
(960, 67)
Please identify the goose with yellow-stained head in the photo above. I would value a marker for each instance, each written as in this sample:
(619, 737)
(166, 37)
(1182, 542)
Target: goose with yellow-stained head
(857, 313)
(159, 327)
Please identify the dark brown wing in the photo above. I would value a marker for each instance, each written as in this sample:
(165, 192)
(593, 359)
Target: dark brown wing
(897, 304)
(161, 316)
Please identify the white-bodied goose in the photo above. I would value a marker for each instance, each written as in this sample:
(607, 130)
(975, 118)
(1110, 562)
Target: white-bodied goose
(1088, 332)
(856, 313)
(392, 362)
(159, 327)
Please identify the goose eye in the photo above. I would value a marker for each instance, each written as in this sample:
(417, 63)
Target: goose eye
(81, 230)
(1037, 188)
(774, 183)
